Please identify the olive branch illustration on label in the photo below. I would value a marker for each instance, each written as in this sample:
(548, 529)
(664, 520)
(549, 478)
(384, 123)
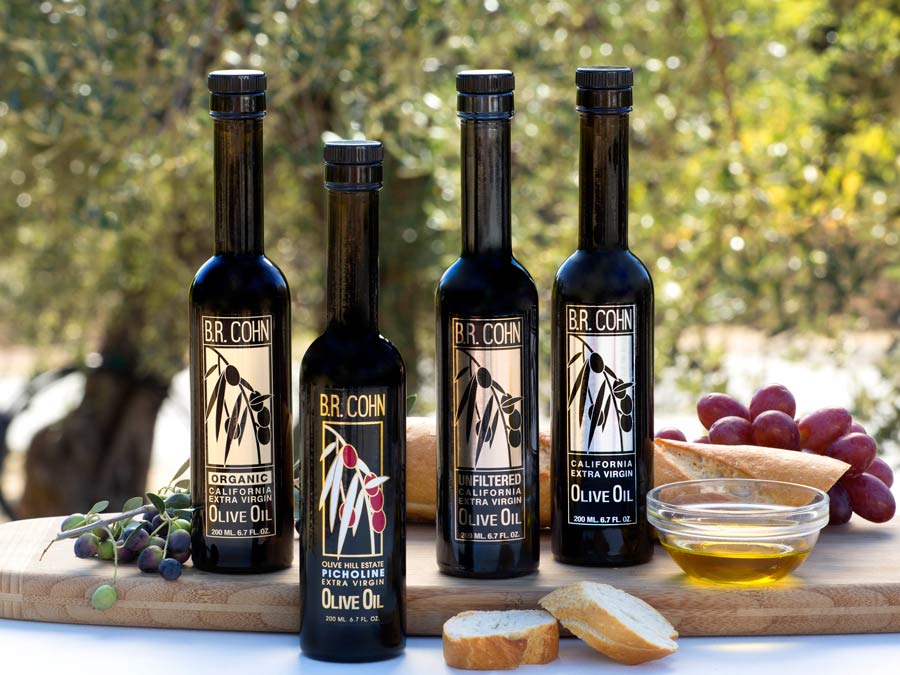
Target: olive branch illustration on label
(249, 405)
(363, 494)
(500, 406)
(612, 397)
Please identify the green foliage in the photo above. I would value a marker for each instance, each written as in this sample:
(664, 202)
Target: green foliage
(765, 156)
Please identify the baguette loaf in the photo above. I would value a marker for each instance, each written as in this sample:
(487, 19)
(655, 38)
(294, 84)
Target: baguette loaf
(500, 640)
(673, 461)
(617, 624)
(677, 460)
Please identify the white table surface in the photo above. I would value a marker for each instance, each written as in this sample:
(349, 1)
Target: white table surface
(37, 648)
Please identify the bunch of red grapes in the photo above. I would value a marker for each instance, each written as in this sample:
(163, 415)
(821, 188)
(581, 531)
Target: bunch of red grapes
(769, 422)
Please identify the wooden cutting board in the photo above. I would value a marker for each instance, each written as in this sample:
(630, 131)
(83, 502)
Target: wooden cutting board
(849, 584)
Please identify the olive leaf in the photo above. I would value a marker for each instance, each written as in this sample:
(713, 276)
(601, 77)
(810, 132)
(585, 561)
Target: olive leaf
(375, 482)
(595, 414)
(462, 372)
(133, 503)
(357, 509)
(335, 493)
(184, 484)
(348, 512)
(212, 368)
(157, 502)
(465, 398)
(483, 429)
(98, 508)
(329, 479)
(214, 396)
(232, 424)
(578, 355)
(620, 389)
(410, 404)
(362, 465)
(220, 403)
(184, 467)
(605, 417)
(327, 450)
(584, 388)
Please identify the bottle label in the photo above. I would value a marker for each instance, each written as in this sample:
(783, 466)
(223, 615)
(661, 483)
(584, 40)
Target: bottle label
(601, 454)
(488, 470)
(350, 483)
(237, 393)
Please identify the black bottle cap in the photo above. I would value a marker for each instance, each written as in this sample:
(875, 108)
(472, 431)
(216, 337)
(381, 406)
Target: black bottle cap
(353, 165)
(485, 94)
(604, 90)
(237, 94)
(354, 152)
(237, 81)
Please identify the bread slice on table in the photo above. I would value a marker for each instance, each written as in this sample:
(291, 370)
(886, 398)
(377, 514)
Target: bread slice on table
(617, 624)
(500, 640)
(677, 460)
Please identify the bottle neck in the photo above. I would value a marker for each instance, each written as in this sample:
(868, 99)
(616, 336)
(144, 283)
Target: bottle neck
(239, 185)
(603, 181)
(351, 286)
(485, 186)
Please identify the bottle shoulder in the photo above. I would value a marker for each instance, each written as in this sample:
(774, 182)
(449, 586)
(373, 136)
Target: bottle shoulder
(342, 358)
(483, 283)
(608, 275)
(239, 277)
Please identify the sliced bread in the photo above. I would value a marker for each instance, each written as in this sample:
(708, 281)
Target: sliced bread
(500, 640)
(617, 624)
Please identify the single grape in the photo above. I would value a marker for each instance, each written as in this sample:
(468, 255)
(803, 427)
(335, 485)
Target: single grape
(882, 471)
(71, 522)
(104, 597)
(86, 545)
(775, 429)
(182, 524)
(702, 439)
(821, 428)
(731, 430)
(856, 428)
(773, 397)
(149, 559)
(157, 541)
(839, 509)
(170, 569)
(870, 498)
(105, 551)
(671, 433)
(178, 500)
(858, 450)
(179, 541)
(713, 407)
(150, 515)
(138, 542)
(101, 533)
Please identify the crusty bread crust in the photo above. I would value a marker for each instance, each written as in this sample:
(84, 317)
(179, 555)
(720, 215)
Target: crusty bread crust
(604, 624)
(533, 645)
(677, 460)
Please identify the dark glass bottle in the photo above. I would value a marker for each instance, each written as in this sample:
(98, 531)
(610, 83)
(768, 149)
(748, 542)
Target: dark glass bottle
(241, 451)
(353, 438)
(487, 315)
(602, 351)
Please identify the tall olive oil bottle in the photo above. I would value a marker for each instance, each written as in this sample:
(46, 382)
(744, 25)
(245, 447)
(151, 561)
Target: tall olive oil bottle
(487, 314)
(602, 351)
(240, 325)
(353, 437)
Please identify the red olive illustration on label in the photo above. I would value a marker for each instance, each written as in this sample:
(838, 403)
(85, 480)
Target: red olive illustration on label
(369, 478)
(379, 521)
(352, 515)
(350, 456)
(377, 500)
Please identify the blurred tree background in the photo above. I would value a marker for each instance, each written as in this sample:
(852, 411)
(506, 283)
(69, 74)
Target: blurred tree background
(765, 165)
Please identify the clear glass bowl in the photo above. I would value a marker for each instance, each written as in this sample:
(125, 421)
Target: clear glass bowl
(737, 530)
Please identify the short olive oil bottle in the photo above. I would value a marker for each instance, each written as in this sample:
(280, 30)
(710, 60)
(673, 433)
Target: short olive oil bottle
(602, 351)
(353, 437)
(240, 360)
